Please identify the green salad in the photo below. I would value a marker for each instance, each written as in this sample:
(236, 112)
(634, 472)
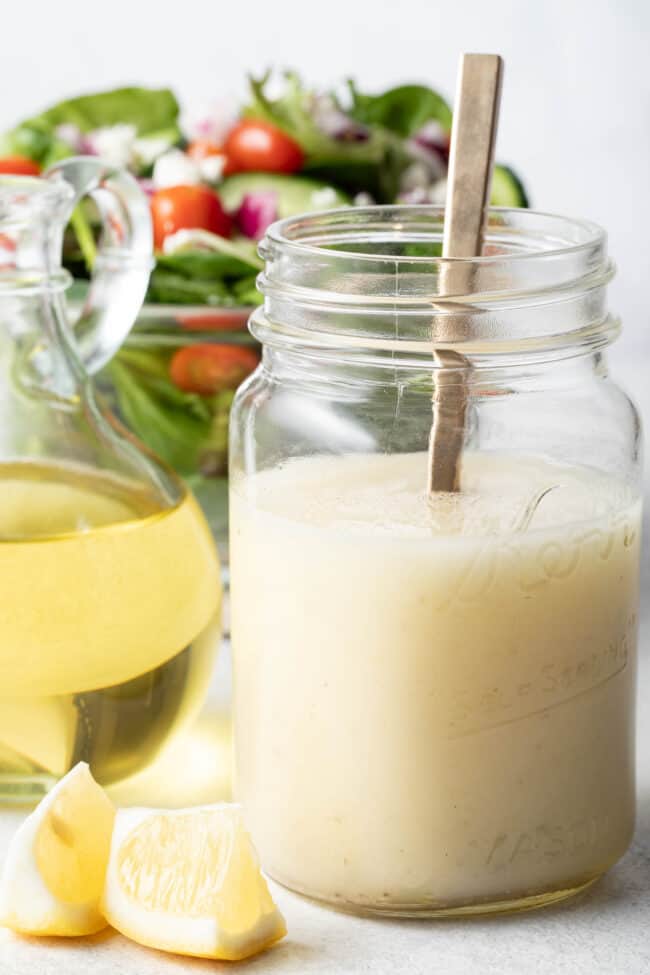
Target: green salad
(216, 180)
(229, 175)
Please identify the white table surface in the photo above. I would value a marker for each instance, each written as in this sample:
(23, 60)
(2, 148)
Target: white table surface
(606, 930)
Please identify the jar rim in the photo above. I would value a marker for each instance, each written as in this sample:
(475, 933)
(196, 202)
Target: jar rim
(375, 277)
(288, 233)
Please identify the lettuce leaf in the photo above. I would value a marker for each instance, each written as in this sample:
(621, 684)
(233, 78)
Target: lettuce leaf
(175, 425)
(213, 248)
(372, 165)
(221, 273)
(189, 432)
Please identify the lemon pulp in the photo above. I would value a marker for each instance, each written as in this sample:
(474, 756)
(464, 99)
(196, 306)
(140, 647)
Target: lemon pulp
(53, 876)
(189, 881)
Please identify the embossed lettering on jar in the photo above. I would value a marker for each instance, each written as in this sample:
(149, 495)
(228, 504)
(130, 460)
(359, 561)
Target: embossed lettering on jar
(434, 697)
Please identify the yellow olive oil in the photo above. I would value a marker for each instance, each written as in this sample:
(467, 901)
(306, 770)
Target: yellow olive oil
(109, 622)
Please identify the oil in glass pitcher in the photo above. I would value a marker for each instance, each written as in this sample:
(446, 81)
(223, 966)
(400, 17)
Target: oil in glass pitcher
(109, 618)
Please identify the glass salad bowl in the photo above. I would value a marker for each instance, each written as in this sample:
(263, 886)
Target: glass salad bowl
(172, 384)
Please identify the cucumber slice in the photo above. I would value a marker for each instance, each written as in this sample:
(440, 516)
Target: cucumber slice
(507, 189)
(295, 194)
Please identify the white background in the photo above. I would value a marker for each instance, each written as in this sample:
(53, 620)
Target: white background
(575, 114)
(576, 123)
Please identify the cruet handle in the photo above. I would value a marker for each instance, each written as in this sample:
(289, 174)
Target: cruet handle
(124, 257)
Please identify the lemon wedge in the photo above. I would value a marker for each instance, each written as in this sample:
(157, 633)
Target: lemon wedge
(188, 881)
(53, 876)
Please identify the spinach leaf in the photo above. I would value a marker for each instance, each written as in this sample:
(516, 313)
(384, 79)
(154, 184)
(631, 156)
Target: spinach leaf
(402, 110)
(171, 288)
(203, 266)
(151, 111)
(37, 142)
(148, 109)
(245, 291)
(221, 272)
(190, 432)
(213, 252)
(378, 178)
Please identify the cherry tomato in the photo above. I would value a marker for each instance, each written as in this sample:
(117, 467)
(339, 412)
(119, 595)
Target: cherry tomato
(187, 208)
(208, 369)
(19, 166)
(222, 320)
(258, 146)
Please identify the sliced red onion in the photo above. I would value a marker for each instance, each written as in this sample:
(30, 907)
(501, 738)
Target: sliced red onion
(426, 166)
(257, 212)
(72, 135)
(433, 137)
(336, 124)
(147, 186)
(87, 146)
(204, 128)
(211, 120)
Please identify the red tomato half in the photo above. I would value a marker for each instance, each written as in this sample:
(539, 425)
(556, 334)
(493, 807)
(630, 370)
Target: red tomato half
(187, 208)
(208, 369)
(258, 146)
(19, 166)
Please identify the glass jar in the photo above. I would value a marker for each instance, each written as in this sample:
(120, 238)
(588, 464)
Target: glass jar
(434, 695)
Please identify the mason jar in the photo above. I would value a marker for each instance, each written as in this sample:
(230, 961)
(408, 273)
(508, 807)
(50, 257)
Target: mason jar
(434, 692)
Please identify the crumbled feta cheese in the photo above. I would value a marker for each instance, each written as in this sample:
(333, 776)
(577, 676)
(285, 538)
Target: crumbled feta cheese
(211, 168)
(72, 135)
(428, 159)
(211, 120)
(438, 192)
(175, 168)
(187, 240)
(363, 199)
(417, 175)
(147, 148)
(324, 199)
(416, 196)
(114, 143)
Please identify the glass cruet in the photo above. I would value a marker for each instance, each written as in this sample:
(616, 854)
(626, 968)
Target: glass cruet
(109, 575)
